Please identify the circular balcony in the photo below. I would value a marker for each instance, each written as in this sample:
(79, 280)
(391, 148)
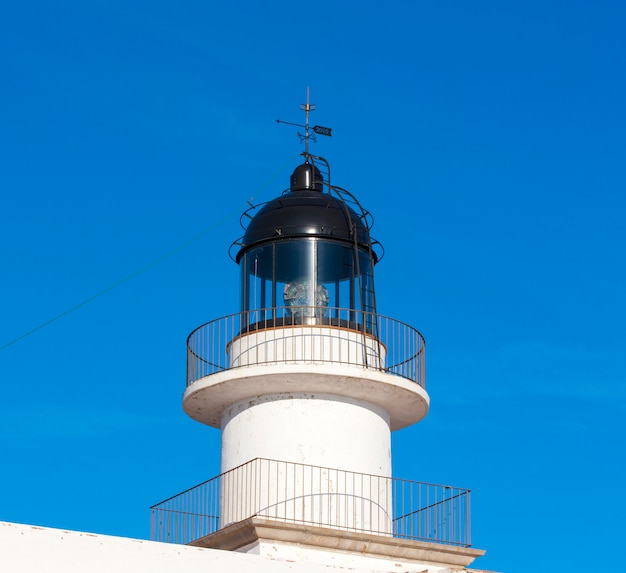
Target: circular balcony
(306, 335)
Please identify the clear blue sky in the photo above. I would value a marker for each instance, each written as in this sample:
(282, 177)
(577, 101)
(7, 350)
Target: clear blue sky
(487, 138)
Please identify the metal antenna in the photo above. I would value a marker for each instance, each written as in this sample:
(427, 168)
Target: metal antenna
(318, 129)
(307, 107)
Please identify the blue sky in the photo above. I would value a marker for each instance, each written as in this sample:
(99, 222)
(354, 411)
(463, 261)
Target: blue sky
(487, 139)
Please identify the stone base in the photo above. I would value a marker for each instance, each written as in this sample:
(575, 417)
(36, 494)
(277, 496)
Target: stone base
(297, 542)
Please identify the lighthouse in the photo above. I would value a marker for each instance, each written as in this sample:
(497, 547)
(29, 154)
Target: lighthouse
(310, 374)
(306, 381)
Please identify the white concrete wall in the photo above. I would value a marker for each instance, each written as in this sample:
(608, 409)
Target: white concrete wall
(347, 561)
(30, 549)
(307, 495)
(311, 428)
(305, 344)
(343, 437)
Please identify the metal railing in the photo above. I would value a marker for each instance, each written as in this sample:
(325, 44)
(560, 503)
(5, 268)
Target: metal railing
(292, 335)
(318, 496)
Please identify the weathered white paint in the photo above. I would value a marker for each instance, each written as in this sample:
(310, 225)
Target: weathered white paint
(405, 401)
(29, 549)
(312, 428)
(321, 344)
(343, 437)
(346, 560)
(307, 495)
(301, 543)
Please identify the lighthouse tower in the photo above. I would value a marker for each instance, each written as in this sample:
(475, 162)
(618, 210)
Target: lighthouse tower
(306, 382)
(312, 375)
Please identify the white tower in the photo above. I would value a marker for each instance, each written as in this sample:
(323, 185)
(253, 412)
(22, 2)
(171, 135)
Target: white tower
(306, 382)
(307, 372)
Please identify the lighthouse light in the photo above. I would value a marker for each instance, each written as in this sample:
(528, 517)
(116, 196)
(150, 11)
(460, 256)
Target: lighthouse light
(301, 296)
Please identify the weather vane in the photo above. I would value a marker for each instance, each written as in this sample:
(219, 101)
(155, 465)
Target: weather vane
(318, 129)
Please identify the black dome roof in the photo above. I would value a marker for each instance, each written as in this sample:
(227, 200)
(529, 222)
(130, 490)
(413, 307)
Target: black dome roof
(305, 211)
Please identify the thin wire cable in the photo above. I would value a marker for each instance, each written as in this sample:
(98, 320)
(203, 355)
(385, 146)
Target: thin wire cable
(149, 265)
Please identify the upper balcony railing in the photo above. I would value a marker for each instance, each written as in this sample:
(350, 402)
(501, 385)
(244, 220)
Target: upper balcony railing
(318, 496)
(305, 335)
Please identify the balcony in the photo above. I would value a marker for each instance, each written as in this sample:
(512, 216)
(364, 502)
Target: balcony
(306, 335)
(316, 496)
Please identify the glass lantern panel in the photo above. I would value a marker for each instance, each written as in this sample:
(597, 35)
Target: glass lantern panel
(257, 267)
(307, 278)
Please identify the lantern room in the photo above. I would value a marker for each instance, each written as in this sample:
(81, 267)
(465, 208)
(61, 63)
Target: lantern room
(306, 256)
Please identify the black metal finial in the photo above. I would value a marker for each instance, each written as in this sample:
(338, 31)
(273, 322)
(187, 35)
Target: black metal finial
(318, 129)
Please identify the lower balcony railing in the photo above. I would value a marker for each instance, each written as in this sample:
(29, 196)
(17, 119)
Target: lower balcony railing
(318, 496)
(305, 335)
